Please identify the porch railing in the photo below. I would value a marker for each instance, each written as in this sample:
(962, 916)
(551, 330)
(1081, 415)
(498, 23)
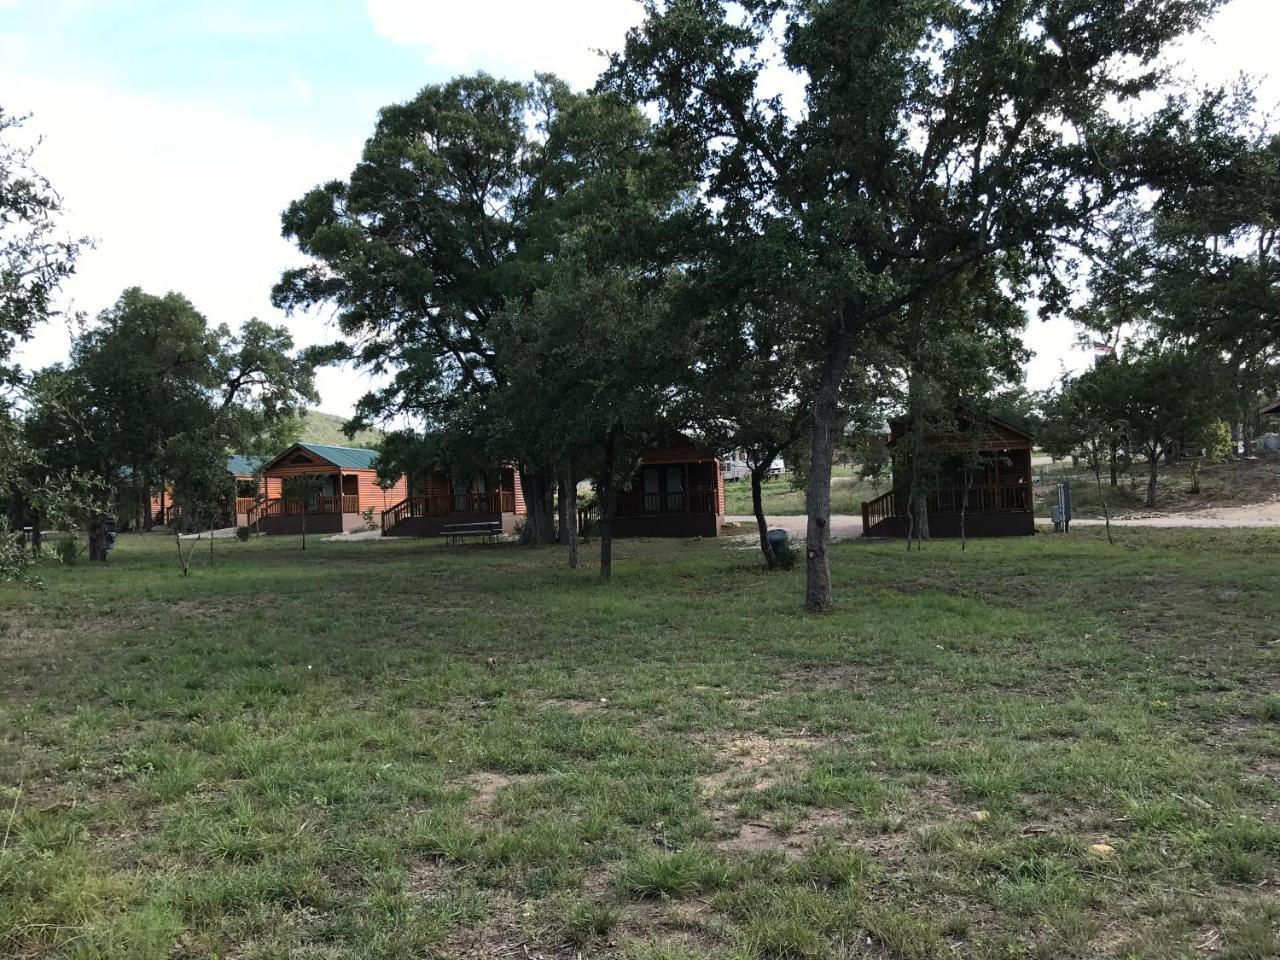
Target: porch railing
(637, 503)
(439, 505)
(877, 511)
(295, 506)
(982, 498)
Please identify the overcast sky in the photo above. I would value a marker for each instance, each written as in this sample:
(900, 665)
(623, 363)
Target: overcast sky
(178, 131)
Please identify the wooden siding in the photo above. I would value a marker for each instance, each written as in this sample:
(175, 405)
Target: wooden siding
(518, 490)
(368, 493)
(681, 450)
(372, 495)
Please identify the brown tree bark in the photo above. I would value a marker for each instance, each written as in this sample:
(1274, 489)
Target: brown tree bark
(539, 521)
(569, 500)
(1153, 465)
(608, 496)
(826, 411)
(562, 508)
(97, 540)
(757, 505)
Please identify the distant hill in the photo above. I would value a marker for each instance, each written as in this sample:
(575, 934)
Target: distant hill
(326, 428)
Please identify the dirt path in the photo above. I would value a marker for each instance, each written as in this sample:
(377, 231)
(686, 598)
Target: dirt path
(848, 526)
(843, 526)
(1253, 515)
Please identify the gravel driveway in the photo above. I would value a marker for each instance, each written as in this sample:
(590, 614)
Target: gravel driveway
(843, 526)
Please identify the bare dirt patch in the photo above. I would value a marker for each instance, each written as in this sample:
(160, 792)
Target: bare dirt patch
(758, 759)
(501, 935)
(485, 785)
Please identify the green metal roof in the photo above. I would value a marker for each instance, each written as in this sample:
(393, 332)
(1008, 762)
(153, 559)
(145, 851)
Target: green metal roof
(350, 458)
(240, 466)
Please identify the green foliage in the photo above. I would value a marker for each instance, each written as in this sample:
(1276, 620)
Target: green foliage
(1216, 442)
(326, 428)
(152, 394)
(889, 189)
(35, 257)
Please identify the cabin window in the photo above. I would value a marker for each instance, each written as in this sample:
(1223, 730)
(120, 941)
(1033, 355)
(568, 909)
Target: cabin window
(663, 489)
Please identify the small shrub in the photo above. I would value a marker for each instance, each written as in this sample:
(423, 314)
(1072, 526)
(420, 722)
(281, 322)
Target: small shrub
(1269, 708)
(580, 922)
(68, 551)
(243, 534)
(672, 874)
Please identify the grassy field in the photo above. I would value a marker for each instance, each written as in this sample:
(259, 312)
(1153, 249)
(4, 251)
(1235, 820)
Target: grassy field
(405, 750)
(848, 491)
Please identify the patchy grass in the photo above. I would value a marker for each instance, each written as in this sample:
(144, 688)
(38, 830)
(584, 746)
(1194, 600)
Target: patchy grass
(307, 754)
(848, 491)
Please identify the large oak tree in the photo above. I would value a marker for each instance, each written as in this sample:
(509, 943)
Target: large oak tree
(933, 135)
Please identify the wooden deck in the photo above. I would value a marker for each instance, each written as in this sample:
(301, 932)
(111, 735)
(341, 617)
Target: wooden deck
(1005, 509)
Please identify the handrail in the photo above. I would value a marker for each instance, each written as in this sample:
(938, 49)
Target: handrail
(977, 498)
(439, 505)
(982, 498)
(877, 511)
(637, 503)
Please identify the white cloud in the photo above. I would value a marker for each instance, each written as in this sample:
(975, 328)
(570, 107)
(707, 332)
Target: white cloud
(510, 37)
(301, 89)
(180, 195)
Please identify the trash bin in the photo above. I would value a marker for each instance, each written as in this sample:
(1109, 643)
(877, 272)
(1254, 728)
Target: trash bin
(780, 543)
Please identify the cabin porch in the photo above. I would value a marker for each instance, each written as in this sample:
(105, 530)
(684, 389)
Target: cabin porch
(666, 499)
(437, 500)
(981, 486)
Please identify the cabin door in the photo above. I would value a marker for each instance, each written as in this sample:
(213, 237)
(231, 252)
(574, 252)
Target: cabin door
(663, 488)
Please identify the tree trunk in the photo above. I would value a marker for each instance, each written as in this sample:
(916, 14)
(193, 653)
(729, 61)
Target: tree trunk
(1153, 465)
(1115, 468)
(97, 540)
(1246, 431)
(608, 501)
(1106, 512)
(562, 508)
(37, 535)
(606, 546)
(183, 562)
(140, 502)
(303, 521)
(569, 510)
(539, 521)
(757, 505)
(920, 512)
(826, 411)
(148, 518)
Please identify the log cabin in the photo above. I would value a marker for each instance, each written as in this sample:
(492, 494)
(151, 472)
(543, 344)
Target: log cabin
(242, 469)
(982, 471)
(678, 491)
(435, 499)
(349, 489)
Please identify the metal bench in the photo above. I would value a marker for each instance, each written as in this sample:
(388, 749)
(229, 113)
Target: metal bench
(454, 533)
